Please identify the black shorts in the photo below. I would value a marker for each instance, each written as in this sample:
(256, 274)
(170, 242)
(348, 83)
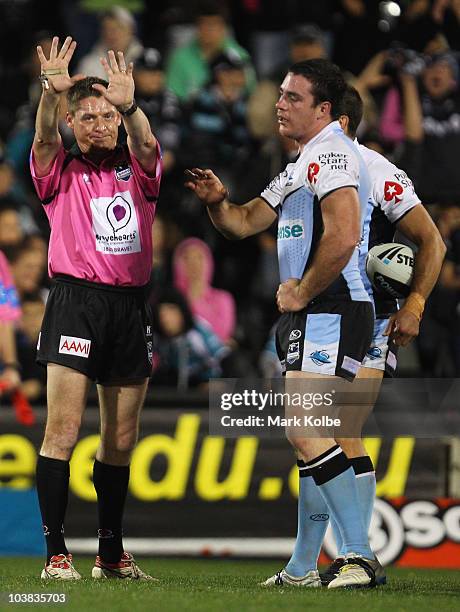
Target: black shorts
(326, 338)
(102, 331)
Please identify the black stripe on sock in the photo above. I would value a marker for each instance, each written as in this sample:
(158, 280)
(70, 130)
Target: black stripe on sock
(303, 470)
(362, 465)
(323, 455)
(329, 469)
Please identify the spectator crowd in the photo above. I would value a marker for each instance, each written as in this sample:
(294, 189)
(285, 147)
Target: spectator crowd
(207, 75)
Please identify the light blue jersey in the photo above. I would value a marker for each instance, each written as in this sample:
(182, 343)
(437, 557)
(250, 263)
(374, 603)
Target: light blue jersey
(328, 162)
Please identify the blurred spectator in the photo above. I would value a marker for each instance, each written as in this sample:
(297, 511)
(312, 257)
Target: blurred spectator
(164, 235)
(189, 66)
(193, 268)
(431, 112)
(118, 32)
(11, 232)
(216, 132)
(27, 335)
(158, 103)
(356, 28)
(186, 351)
(28, 266)
(307, 41)
(9, 315)
(269, 363)
(424, 20)
(449, 284)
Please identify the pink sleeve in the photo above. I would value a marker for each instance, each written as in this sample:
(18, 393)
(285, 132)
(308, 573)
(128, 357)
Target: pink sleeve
(9, 301)
(46, 186)
(150, 185)
(225, 325)
(391, 122)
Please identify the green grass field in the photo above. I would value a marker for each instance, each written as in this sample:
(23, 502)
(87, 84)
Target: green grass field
(209, 584)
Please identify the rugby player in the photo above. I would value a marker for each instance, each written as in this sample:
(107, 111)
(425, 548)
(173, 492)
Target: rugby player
(100, 201)
(393, 205)
(320, 202)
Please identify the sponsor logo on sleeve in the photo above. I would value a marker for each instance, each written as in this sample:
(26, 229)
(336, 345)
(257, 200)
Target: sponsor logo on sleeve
(334, 160)
(312, 172)
(392, 191)
(70, 345)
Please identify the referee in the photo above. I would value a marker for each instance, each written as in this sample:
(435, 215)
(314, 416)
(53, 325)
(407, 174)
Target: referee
(100, 200)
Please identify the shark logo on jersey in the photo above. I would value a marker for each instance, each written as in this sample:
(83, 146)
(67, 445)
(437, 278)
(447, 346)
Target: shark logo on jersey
(312, 171)
(391, 191)
(320, 357)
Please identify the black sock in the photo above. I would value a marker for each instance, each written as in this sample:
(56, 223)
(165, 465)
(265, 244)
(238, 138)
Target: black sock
(52, 479)
(362, 465)
(111, 484)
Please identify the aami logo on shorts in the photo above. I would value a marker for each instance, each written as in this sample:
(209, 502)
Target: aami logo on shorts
(290, 229)
(74, 346)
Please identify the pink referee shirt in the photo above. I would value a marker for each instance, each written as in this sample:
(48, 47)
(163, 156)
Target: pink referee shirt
(100, 216)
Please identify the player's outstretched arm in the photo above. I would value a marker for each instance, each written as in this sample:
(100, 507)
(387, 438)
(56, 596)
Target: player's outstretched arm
(231, 220)
(55, 81)
(120, 92)
(341, 220)
(418, 226)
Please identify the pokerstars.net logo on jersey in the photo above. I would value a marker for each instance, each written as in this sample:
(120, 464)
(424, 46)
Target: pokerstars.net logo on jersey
(290, 229)
(312, 172)
(334, 160)
(391, 191)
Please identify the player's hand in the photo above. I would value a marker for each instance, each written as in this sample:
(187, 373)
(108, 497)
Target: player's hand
(206, 185)
(120, 91)
(289, 297)
(56, 68)
(402, 327)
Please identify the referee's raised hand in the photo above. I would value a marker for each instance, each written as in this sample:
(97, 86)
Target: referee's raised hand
(55, 70)
(120, 91)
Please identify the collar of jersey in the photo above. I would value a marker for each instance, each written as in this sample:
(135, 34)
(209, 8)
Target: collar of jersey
(76, 152)
(334, 127)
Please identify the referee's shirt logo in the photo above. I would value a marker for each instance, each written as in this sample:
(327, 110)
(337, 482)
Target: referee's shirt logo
(69, 345)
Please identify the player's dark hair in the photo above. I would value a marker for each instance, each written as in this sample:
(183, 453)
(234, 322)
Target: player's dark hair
(351, 105)
(328, 84)
(83, 89)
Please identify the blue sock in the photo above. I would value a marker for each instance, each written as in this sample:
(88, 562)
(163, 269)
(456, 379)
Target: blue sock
(312, 518)
(365, 481)
(336, 481)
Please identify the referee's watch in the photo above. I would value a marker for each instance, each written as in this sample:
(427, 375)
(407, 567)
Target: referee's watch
(132, 109)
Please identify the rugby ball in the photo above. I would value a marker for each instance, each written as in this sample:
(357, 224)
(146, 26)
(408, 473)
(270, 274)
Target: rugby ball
(390, 268)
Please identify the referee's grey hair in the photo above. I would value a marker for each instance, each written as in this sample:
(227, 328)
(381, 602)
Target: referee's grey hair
(83, 89)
